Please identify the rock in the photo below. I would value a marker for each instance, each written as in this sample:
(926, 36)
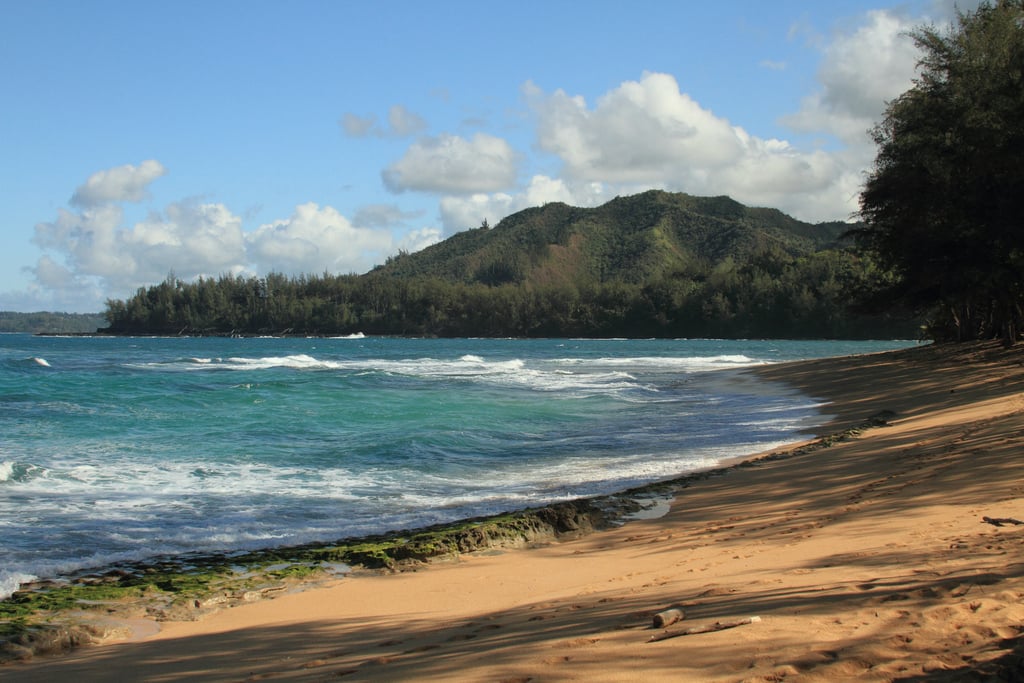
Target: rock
(12, 652)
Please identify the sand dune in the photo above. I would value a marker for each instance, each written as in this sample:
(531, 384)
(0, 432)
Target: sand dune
(871, 560)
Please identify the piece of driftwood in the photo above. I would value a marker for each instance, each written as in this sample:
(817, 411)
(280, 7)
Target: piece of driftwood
(1001, 521)
(707, 628)
(669, 616)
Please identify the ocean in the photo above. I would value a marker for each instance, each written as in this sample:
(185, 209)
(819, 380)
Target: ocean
(118, 449)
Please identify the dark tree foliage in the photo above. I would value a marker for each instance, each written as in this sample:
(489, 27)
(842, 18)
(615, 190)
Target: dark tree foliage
(773, 295)
(944, 203)
(45, 322)
(656, 264)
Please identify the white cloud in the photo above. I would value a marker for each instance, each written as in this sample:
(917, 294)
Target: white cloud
(53, 275)
(859, 74)
(641, 132)
(88, 240)
(464, 212)
(454, 165)
(647, 133)
(419, 239)
(315, 240)
(190, 239)
(639, 135)
(56, 288)
(121, 184)
(91, 254)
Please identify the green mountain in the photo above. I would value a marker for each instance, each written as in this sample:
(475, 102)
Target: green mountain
(656, 264)
(636, 239)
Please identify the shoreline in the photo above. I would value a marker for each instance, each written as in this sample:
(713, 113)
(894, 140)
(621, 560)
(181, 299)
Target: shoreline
(199, 584)
(613, 501)
(761, 538)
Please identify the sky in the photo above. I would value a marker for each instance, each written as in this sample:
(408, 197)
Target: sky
(197, 138)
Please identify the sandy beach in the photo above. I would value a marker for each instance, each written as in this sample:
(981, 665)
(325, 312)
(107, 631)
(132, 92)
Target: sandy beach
(893, 555)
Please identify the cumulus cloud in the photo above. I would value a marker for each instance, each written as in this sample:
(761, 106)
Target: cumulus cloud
(419, 239)
(315, 240)
(641, 132)
(121, 184)
(190, 239)
(89, 240)
(92, 253)
(450, 164)
(859, 74)
(464, 212)
(56, 288)
(647, 133)
(53, 275)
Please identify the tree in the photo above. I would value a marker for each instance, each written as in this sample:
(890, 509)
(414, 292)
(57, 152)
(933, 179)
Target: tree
(943, 204)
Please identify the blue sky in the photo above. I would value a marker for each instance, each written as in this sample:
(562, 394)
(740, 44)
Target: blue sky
(201, 138)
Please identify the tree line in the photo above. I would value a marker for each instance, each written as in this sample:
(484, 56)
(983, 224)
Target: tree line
(942, 207)
(941, 242)
(47, 322)
(772, 294)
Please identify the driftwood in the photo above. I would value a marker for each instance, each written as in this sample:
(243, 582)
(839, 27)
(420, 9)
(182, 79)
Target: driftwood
(669, 616)
(707, 628)
(1001, 521)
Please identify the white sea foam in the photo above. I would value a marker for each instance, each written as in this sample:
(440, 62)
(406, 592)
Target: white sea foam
(544, 376)
(135, 511)
(670, 363)
(574, 377)
(11, 581)
(20, 473)
(148, 461)
(298, 361)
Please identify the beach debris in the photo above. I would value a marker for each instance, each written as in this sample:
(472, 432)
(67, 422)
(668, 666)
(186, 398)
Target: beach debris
(1001, 521)
(668, 617)
(706, 628)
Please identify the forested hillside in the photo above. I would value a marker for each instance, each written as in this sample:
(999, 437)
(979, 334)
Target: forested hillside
(656, 264)
(45, 322)
(634, 239)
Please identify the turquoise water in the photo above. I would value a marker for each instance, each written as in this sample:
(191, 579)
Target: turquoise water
(115, 449)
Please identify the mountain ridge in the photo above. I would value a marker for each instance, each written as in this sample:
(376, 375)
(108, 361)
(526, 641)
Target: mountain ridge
(655, 264)
(632, 239)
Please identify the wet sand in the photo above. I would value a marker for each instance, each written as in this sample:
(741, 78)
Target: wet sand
(879, 558)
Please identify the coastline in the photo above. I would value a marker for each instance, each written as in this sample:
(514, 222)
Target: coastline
(840, 551)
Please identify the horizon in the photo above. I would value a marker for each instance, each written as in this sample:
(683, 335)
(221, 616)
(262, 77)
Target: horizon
(322, 137)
